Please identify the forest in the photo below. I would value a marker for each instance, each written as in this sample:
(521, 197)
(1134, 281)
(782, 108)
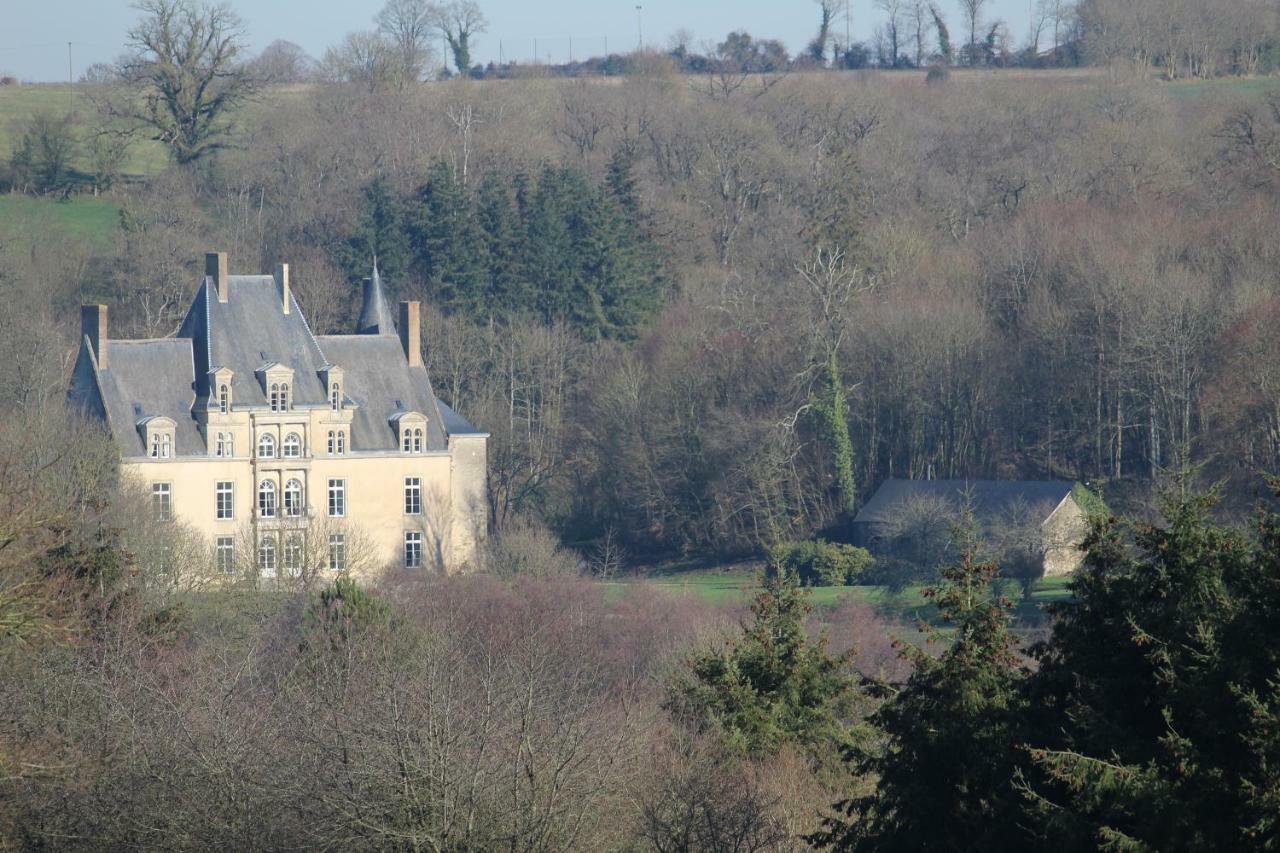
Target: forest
(704, 306)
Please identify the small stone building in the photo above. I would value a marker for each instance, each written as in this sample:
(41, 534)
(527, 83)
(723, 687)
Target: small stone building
(275, 443)
(1049, 505)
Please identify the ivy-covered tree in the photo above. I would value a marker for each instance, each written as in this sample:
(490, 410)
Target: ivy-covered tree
(944, 758)
(773, 686)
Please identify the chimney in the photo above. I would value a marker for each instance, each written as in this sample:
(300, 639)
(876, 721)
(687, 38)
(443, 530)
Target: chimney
(282, 282)
(411, 332)
(215, 267)
(93, 325)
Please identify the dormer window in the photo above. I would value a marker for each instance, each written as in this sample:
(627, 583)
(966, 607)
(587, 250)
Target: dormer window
(224, 399)
(220, 389)
(412, 428)
(275, 379)
(158, 437)
(335, 397)
(226, 445)
(331, 375)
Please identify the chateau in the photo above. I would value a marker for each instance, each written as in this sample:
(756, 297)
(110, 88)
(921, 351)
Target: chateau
(266, 438)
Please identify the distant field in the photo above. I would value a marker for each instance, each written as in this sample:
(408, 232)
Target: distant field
(85, 218)
(1247, 87)
(19, 103)
(737, 585)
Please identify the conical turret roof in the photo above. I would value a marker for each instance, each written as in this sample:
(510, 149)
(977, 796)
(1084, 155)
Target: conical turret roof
(375, 313)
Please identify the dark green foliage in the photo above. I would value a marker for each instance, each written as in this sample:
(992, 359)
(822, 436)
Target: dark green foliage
(945, 765)
(559, 248)
(382, 234)
(819, 563)
(341, 610)
(447, 245)
(1159, 717)
(944, 34)
(774, 686)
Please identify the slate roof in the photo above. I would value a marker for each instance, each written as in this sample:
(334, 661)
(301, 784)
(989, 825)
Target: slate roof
(375, 312)
(150, 378)
(379, 380)
(249, 331)
(454, 423)
(168, 377)
(990, 498)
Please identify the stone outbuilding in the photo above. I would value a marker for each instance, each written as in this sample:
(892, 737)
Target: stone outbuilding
(1049, 505)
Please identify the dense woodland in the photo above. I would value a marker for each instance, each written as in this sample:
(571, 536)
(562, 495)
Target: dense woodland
(704, 310)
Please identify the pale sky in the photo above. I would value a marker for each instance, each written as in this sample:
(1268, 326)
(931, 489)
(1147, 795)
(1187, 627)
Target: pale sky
(34, 33)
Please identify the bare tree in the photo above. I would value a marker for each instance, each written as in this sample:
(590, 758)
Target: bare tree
(460, 21)
(895, 11)
(185, 65)
(408, 24)
(920, 20)
(972, 12)
(367, 59)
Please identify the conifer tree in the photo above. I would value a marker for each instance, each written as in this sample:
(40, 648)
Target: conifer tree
(773, 686)
(381, 234)
(943, 766)
(448, 245)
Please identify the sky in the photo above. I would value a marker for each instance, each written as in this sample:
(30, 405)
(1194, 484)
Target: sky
(34, 33)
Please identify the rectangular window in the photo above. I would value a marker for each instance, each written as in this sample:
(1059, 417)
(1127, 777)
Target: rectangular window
(412, 549)
(267, 556)
(162, 500)
(412, 496)
(337, 552)
(226, 554)
(293, 551)
(226, 500)
(337, 498)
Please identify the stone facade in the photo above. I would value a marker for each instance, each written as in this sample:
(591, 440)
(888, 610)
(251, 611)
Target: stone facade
(258, 434)
(1064, 530)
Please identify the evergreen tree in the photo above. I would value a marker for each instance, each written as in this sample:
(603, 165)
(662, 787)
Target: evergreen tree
(498, 220)
(1157, 697)
(944, 766)
(382, 234)
(448, 246)
(773, 686)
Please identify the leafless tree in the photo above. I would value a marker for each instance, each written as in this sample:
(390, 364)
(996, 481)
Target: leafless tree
(408, 24)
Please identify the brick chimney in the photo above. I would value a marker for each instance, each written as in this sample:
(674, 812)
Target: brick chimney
(93, 325)
(282, 283)
(411, 332)
(215, 267)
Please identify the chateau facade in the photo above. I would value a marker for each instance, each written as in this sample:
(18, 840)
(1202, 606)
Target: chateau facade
(293, 447)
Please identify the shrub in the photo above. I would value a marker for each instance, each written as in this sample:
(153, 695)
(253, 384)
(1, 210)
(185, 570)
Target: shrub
(936, 76)
(820, 563)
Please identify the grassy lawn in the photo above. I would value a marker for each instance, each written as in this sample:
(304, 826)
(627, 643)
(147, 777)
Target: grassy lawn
(736, 585)
(83, 218)
(19, 103)
(1253, 88)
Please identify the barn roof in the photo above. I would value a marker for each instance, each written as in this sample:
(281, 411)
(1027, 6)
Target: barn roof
(988, 498)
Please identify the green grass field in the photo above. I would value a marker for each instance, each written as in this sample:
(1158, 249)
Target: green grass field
(82, 218)
(1250, 88)
(19, 103)
(736, 585)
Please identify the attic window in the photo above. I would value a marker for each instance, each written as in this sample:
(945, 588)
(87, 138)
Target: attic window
(224, 399)
(335, 397)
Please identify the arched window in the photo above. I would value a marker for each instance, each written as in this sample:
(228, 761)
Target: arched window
(335, 397)
(292, 556)
(292, 447)
(267, 499)
(284, 396)
(417, 441)
(275, 396)
(406, 441)
(155, 445)
(333, 442)
(293, 499)
(221, 448)
(224, 399)
(342, 442)
(166, 446)
(267, 556)
(266, 446)
(231, 444)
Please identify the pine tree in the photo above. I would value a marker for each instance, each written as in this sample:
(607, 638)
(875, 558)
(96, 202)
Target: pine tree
(381, 234)
(773, 686)
(448, 245)
(946, 756)
(1158, 723)
(498, 220)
